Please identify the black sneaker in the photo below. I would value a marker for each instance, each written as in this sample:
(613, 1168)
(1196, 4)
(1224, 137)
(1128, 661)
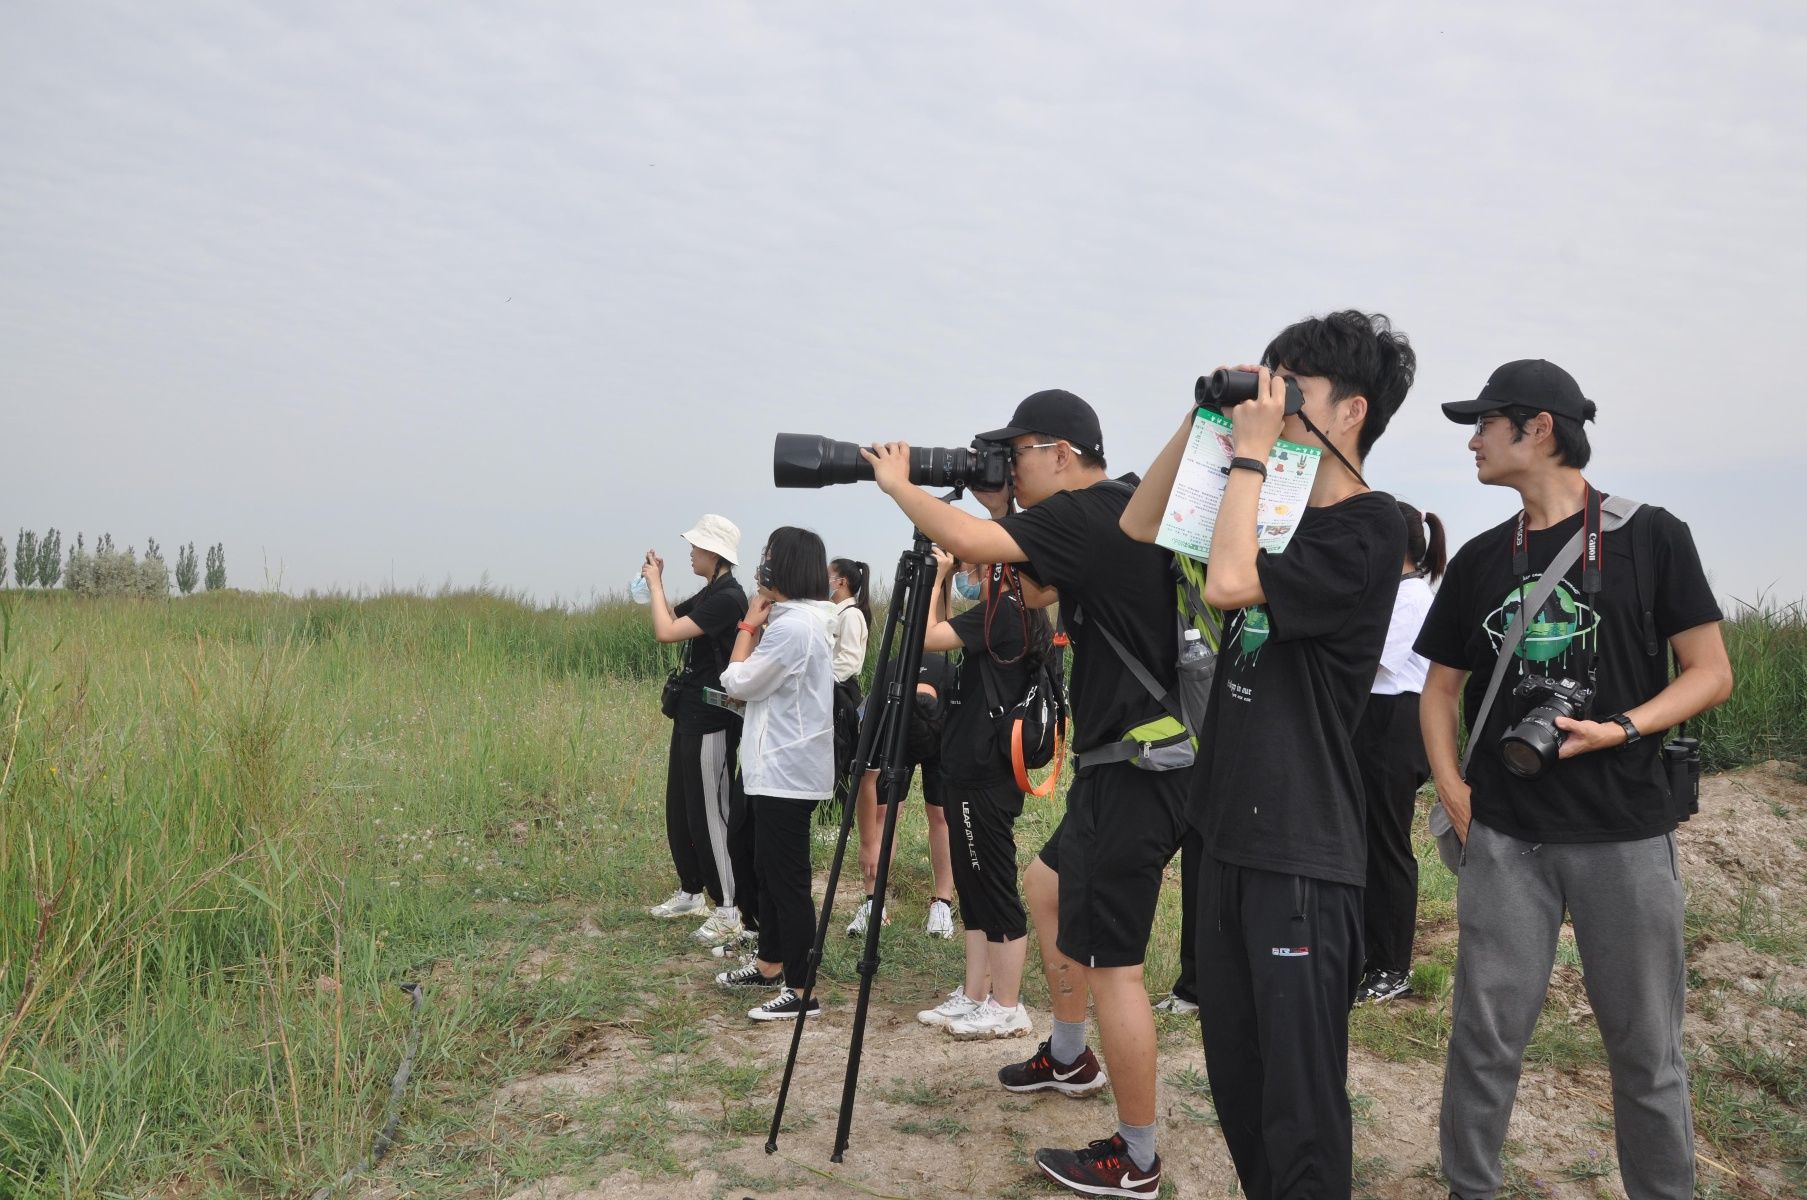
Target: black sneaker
(785, 1006)
(1101, 1169)
(1042, 1074)
(1380, 986)
(747, 975)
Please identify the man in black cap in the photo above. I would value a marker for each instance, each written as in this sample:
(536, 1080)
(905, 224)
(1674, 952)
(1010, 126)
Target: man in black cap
(1092, 889)
(1574, 814)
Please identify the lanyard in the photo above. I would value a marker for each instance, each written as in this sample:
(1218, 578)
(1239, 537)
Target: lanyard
(1593, 552)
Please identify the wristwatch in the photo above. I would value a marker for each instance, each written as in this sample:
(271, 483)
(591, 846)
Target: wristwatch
(1631, 731)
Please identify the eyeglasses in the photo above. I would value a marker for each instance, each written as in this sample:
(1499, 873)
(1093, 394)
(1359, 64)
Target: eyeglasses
(1016, 450)
(1480, 423)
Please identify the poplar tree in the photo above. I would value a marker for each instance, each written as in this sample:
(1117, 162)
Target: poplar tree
(25, 558)
(50, 558)
(216, 566)
(187, 574)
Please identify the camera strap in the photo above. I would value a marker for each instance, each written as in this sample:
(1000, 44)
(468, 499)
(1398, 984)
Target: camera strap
(1606, 514)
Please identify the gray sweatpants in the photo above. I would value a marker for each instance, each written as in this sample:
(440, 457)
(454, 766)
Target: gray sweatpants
(1625, 900)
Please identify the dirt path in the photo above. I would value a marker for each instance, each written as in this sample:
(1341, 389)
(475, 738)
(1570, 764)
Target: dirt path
(930, 1120)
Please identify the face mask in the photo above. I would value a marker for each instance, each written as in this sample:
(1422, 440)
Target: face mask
(639, 591)
(965, 586)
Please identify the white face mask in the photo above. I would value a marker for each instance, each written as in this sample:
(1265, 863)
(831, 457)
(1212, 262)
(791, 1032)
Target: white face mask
(965, 586)
(640, 591)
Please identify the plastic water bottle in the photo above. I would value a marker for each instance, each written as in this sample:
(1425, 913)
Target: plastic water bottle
(1197, 665)
(639, 591)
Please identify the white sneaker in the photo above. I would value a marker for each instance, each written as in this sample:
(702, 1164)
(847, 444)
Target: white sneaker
(738, 946)
(718, 928)
(956, 1006)
(1175, 1004)
(680, 904)
(992, 1020)
(861, 915)
(941, 919)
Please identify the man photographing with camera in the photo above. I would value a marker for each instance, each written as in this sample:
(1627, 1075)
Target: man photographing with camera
(1557, 619)
(1092, 889)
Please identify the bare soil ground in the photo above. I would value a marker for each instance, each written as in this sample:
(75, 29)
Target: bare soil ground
(931, 1121)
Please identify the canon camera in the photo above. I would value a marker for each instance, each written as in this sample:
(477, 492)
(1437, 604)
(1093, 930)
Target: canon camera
(1531, 747)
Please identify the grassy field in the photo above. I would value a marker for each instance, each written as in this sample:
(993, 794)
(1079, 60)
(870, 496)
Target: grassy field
(231, 826)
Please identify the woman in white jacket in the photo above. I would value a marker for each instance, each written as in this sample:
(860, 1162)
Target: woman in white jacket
(782, 668)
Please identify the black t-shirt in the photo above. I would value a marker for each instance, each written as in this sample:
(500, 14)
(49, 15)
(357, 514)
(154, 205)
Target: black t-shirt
(1076, 547)
(717, 610)
(971, 753)
(1608, 795)
(1277, 786)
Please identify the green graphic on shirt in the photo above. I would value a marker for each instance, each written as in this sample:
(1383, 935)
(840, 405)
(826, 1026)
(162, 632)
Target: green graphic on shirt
(1562, 623)
(1252, 637)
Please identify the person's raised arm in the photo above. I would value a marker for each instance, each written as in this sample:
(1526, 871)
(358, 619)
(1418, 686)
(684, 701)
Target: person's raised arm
(940, 636)
(667, 625)
(1232, 580)
(969, 538)
(1141, 518)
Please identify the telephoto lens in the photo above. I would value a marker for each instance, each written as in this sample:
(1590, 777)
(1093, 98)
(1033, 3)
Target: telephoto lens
(805, 460)
(1224, 388)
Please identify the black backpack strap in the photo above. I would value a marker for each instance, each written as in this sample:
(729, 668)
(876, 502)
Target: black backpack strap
(1643, 564)
(1163, 697)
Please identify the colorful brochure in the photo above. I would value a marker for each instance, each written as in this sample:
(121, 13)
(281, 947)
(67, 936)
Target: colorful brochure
(1205, 470)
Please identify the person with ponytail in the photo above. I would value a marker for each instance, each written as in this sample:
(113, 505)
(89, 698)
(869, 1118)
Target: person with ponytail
(847, 587)
(1389, 748)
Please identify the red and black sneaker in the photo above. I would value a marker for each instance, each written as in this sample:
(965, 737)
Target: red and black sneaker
(1083, 1077)
(1101, 1169)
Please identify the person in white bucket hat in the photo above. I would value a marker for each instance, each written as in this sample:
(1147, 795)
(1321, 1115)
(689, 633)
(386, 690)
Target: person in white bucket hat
(705, 809)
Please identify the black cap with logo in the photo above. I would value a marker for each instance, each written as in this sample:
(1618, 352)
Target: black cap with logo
(1057, 414)
(1527, 383)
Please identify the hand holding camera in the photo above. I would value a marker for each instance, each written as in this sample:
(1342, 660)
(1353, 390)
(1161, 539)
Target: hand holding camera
(890, 465)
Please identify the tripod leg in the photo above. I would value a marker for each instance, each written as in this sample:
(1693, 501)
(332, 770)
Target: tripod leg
(870, 736)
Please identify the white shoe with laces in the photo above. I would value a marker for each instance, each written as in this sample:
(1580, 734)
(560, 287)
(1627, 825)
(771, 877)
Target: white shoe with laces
(992, 1020)
(679, 904)
(719, 928)
(861, 915)
(941, 919)
(957, 1005)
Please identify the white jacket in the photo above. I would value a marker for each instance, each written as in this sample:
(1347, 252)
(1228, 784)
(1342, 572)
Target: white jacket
(787, 742)
(849, 641)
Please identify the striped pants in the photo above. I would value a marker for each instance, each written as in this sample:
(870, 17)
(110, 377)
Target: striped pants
(707, 821)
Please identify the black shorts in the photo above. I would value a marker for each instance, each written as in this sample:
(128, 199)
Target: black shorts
(932, 794)
(1121, 827)
(981, 834)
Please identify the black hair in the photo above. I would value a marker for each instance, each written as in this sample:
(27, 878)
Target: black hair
(1361, 354)
(1572, 449)
(796, 564)
(856, 574)
(1428, 555)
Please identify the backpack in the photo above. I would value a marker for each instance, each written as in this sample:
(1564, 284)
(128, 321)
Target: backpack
(1032, 729)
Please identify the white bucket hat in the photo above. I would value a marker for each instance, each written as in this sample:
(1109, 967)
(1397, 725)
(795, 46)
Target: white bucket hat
(718, 535)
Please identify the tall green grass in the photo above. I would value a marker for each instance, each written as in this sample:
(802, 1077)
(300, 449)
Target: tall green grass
(231, 824)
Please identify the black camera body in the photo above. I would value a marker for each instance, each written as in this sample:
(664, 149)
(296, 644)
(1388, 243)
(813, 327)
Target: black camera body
(803, 460)
(1224, 388)
(1530, 748)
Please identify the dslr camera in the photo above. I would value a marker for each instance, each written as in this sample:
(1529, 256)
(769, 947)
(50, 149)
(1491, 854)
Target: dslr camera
(803, 460)
(1530, 747)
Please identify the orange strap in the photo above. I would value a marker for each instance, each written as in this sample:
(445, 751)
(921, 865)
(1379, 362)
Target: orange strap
(1022, 772)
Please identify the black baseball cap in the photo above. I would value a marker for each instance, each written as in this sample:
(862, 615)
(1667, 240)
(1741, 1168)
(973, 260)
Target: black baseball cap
(1059, 415)
(1533, 383)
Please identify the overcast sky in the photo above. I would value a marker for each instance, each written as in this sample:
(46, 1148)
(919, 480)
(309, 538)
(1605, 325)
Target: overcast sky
(416, 293)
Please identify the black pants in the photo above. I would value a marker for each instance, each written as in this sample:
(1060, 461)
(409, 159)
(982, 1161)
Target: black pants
(702, 798)
(1279, 961)
(1192, 857)
(787, 927)
(1389, 748)
(981, 833)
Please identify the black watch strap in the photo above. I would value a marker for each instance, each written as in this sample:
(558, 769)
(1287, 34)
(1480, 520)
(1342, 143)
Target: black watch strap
(1632, 736)
(1249, 464)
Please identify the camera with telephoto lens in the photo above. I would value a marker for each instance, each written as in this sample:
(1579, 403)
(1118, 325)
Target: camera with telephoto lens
(803, 460)
(1530, 747)
(1224, 388)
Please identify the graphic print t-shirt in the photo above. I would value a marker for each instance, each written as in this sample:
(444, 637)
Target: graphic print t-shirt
(1277, 786)
(971, 753)
(1075, 546)
(1608, 795)
(717, 610)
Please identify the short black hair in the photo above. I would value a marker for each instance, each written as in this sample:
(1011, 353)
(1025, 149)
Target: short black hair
(1572, 449)
(796, 564)
(1361, 354)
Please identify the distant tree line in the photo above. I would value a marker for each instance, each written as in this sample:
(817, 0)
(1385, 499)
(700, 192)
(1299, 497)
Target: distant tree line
(37, 560)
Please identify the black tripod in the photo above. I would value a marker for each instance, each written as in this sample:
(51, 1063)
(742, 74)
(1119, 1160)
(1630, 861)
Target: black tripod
(881, 746)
